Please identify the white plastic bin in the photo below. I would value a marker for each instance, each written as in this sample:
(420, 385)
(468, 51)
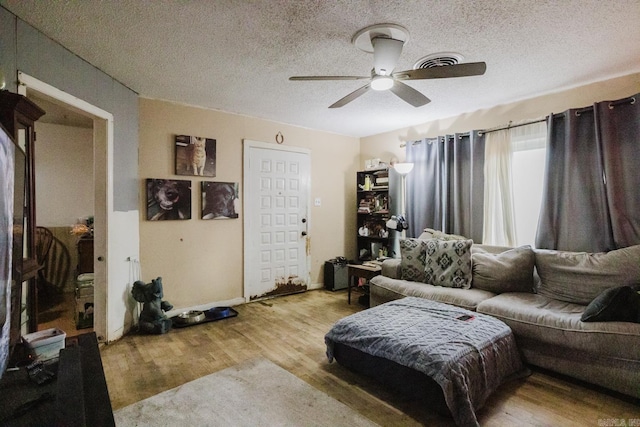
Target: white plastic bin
(46, 344)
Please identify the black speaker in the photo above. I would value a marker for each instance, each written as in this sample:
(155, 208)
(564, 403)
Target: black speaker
(335, 274)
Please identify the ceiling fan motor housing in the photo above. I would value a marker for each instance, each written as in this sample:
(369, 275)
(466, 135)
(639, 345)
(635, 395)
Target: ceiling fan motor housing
(386, 54)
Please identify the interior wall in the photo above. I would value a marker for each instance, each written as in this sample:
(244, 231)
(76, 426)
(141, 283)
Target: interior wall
(26, 49)
(64, 174)
(387, 145)
(48, 61)
(201, 261)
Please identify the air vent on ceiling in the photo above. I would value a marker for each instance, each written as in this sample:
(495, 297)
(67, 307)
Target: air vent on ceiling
(438, 60)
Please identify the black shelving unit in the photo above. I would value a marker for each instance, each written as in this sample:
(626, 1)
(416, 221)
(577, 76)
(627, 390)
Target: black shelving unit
(373, 212)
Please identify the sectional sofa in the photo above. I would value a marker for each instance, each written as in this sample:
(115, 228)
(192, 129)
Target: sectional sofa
(571, 312)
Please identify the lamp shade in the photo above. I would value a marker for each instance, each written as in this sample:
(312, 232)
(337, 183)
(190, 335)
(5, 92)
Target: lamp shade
(403, 168)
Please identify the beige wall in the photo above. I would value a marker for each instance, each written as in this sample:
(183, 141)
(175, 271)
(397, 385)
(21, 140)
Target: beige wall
(387, 145)
(201, 261)
(64, 174)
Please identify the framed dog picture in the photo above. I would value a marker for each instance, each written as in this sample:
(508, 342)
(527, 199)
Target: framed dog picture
(195, 155)
(220, 200)
(168, 199)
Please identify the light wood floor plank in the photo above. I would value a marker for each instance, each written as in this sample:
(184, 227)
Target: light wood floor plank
(290, 332)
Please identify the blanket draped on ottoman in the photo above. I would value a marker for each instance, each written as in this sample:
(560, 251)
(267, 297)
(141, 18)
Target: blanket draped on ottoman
(468, 359)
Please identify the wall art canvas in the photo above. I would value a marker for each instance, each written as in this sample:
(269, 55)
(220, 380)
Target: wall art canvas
(220, 200)
(195, 155)
(168, 199)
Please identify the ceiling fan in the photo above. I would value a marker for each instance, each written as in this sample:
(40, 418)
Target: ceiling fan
(385, 41)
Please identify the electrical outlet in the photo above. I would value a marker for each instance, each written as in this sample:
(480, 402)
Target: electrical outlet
(317, 202)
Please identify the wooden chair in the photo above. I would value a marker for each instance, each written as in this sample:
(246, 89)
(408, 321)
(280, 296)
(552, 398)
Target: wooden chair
(53, 257)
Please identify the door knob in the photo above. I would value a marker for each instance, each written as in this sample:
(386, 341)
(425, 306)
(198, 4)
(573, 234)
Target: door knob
(304, 233)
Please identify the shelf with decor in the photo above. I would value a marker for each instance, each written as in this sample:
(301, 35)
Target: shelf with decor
(372, 214)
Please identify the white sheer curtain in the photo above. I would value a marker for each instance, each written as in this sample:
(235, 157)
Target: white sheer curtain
(529, 144)
(499, 219)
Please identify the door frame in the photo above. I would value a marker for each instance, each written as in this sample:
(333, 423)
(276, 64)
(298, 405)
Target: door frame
(248, 194)
(103, 141)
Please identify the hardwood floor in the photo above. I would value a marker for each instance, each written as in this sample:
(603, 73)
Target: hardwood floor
(290, 332)
(61, 314)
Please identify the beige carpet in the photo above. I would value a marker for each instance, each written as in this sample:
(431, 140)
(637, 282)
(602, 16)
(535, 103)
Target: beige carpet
(254, 393)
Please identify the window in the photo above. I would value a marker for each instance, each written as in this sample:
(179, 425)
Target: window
(528, 163)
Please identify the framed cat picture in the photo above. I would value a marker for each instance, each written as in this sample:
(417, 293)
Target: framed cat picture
(195, 155)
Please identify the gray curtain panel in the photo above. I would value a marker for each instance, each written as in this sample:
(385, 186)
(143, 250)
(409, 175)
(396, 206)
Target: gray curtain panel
(591, 199)
(445, 190)
(424, 185)
(618, 127)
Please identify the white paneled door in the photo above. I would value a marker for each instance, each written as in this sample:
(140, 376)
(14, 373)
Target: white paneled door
(276, 219)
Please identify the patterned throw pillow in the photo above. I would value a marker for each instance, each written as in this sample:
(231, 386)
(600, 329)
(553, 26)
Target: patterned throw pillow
(448, 263)
(413, 253)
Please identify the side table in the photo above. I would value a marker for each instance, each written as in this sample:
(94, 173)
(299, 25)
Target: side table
(363, 271)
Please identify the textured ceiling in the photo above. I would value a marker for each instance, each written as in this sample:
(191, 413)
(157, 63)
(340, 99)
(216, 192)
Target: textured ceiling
(236, 56)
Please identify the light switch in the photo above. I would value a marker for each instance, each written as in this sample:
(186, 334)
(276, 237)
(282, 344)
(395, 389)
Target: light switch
(317, 202)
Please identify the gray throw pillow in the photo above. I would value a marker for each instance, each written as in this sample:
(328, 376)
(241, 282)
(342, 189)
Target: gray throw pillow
(448, 263)
(621, 304)
(412, 253)
(579, 277)
(509, 271)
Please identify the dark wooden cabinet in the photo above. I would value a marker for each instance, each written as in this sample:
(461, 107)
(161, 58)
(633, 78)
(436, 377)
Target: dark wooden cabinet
(373, 213)
(85, 255)
(18, 115)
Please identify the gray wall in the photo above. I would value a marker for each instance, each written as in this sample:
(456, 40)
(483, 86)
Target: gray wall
(24, 48)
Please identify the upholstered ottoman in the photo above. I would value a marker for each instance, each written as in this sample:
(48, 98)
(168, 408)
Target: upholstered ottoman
(467, 354)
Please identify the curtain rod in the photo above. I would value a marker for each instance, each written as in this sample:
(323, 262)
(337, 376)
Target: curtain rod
(509, 126)
(612, 104)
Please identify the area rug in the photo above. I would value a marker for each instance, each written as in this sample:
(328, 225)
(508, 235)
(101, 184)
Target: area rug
(256, 392)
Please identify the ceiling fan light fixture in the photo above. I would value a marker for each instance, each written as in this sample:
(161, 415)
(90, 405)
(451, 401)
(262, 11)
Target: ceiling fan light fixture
(381, 83)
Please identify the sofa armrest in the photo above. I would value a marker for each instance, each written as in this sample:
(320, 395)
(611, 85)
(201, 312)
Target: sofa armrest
(391, 268)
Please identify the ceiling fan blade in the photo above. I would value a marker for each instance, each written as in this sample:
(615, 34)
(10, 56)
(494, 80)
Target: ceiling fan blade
(316, 78)
(443, 72)
(409, 94)
(353, 95)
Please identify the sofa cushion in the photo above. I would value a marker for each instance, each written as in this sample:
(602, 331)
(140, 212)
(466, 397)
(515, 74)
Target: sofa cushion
(384, 289)
(480, 248)
(430, 233)
(392, 267)
(546, 320)
(579, 277)
(412, 252)
(509, 271)
(620, 304)
(448, 263)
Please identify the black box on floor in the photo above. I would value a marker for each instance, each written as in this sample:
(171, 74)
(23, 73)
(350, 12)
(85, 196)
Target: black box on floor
(335, 274)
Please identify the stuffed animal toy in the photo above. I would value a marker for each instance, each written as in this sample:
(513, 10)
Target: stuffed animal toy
(152, 318)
